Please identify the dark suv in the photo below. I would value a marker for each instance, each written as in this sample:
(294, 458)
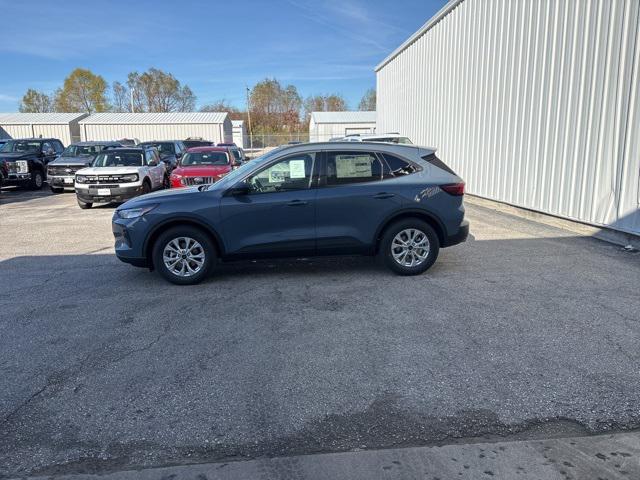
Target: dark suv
(61, 172)
(397, 201)
(25, 160)
(170, 151)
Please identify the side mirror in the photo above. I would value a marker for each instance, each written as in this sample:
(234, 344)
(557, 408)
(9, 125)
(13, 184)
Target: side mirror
(239, 189)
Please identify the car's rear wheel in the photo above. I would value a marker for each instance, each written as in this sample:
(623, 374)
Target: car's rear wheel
(409, 246)
(184, 255)
(37, 180)
(84, 205)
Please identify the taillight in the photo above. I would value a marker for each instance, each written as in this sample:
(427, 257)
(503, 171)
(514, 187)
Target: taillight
(454, 188)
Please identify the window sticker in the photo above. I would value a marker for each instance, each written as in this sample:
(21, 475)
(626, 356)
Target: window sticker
(353, 166)
(279, 173)
(296, 169)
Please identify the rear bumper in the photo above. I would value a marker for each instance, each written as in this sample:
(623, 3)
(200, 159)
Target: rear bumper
(458, 237)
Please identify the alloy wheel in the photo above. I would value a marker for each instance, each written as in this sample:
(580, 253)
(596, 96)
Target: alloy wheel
(410, 247)
(183, 256)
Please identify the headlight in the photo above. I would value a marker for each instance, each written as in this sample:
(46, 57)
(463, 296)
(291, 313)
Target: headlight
(130, 178)
(22, 166)
(176, 176)
(135, 212)
(81, 179)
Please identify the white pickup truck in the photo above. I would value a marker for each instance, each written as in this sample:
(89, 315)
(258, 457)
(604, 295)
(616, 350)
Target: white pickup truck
(118, 174)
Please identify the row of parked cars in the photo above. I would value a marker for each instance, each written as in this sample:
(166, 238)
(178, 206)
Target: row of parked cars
(115, 171)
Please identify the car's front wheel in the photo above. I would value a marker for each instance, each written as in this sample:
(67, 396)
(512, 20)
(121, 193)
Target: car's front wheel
(184, 255)
(37, 180)
(84, 205)
(409, 246)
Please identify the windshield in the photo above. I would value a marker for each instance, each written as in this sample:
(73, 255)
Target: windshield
(82, 150)
(119, 159)
(245, 167)
(164, 148)
(205, 158)
(21, 146)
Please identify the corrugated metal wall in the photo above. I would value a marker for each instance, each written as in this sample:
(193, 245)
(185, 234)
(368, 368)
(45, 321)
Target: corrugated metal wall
(322, 132)
(148, 131)
(534, 102)
(61, 132)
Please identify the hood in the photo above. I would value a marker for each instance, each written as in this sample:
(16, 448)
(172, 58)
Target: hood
(73, 161)
(159, 196)
(108, 170)
(202, 170)
(10, 156)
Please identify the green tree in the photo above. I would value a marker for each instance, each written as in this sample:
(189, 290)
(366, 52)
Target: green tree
(82, 91)
(368, 101)
(36, 102)
(158, 91)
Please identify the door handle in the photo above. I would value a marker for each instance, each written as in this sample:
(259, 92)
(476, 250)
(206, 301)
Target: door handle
(296, 203)
(383, 195)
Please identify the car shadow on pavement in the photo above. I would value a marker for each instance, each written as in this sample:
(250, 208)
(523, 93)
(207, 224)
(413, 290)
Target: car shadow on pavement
(101, 361)
(10, 195)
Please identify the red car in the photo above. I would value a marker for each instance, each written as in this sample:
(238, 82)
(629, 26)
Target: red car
(202, 166)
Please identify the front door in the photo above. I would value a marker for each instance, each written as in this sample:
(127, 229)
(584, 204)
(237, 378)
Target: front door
(278, 215)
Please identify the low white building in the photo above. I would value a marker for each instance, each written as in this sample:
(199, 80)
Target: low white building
(324, 126)
(214, 126)
(239, 133)
(63, 126)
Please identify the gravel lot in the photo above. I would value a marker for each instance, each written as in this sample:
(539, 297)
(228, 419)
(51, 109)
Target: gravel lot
(525, 330)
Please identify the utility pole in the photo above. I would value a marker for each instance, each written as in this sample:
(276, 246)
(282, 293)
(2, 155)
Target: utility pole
(249, 118)
(131, 94)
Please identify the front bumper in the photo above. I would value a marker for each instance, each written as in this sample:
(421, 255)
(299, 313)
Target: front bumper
(458, 237)
(61, 181)
(17, 179)
(98, 194)
(128, 235)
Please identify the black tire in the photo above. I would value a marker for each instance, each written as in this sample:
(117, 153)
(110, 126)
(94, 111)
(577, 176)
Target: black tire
(206, 247)
(166, 182)
(57, 190)
(37, 180)
(146, 187)
(388, 248)
(84, 205)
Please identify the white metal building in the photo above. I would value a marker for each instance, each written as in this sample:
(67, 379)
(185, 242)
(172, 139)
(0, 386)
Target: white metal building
(534, 103)
(63, 126)
(326, 125)
(214, 126)
(239, 133)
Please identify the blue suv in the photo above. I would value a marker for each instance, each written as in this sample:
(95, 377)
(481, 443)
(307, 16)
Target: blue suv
(397, 201)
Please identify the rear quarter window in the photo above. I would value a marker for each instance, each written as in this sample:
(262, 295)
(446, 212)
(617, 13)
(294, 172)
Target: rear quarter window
(399, 167)
(435, 161)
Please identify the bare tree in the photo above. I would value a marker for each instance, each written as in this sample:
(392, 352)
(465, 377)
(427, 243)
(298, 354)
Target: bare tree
(157, 91)
(368, 101)
(121, 101)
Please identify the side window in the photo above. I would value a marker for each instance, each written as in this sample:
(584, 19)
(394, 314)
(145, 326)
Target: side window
(46, 146)
(291, 173)
(399, 167)
(57, 146)
(148, 157)
(344, 168)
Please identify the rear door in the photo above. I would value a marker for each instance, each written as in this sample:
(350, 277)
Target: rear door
(357, 193)
(277, 217)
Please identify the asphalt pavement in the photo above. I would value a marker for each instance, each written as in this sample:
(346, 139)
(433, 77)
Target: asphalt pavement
(525, 331)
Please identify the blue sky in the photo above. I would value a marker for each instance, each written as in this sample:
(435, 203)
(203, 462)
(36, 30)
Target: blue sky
(216, 47)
